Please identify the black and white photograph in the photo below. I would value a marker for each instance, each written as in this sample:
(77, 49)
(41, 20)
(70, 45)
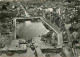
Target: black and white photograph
(39, 28)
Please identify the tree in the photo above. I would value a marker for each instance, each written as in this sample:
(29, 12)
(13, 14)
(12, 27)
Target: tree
(4, 7)
(71, 29)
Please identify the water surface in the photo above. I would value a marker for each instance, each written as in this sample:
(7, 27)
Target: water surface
(29, 30)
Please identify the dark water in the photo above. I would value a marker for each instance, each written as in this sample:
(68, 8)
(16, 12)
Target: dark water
(29, 30)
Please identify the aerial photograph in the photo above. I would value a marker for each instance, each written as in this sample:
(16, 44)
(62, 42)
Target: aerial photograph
(39, 28)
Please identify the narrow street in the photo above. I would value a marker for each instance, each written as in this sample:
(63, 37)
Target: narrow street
(56, 29)
(26, 14)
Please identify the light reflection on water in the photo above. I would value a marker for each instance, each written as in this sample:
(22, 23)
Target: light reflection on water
(29, 30)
